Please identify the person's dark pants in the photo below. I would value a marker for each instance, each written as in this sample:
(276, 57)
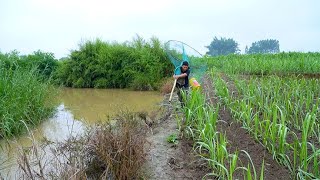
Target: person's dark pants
(182, 90)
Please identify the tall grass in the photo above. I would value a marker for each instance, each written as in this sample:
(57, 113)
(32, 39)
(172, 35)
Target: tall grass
(23, 100)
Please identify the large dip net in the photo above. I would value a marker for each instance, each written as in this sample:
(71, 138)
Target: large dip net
(178, 52)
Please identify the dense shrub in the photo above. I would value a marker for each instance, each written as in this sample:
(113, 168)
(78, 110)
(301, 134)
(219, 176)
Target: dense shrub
(42, 62)
(138, 64)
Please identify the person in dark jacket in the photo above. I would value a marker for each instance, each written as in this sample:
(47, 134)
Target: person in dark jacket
(183, 80)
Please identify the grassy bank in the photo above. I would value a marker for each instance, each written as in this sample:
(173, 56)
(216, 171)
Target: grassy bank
(24, 99)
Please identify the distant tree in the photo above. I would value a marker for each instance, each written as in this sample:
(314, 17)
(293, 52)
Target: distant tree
(264, 46)
(45, 62)
(222, 46)
(63, 59)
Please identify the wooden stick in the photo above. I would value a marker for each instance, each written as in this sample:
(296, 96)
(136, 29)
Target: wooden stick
(174, 85)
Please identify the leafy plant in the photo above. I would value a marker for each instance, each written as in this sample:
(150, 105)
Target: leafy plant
(172, 139)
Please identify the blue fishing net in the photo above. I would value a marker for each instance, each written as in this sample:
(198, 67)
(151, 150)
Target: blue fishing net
(178, 52)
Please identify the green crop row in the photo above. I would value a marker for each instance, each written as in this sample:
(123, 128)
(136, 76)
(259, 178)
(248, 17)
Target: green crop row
(262, 64)
(281, 113)
(200, 124)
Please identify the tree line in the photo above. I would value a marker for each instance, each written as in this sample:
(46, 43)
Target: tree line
(225, 46)
(136, 64)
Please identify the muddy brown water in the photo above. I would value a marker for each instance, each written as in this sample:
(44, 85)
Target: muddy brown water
(78, 108)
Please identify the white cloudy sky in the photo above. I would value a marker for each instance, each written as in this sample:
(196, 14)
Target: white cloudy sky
(58, 26)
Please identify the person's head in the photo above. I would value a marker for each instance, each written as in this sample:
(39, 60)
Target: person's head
(185, 65)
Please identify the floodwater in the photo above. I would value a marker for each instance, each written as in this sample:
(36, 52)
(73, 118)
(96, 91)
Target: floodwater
(78, 108)
(93, 105)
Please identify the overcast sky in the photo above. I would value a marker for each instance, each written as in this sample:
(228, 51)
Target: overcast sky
(58, 26)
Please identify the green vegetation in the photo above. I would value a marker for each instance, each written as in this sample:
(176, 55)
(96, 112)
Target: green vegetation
(25, 80)
(279, 108)
(283, 115)
(263, 64)
(139, 65)
(264, 47)
(43, 63)
(201, 125)
(172, 139)
(274, 96)
(24, 100)
(222, 46)
(25, 92)
(226, 46)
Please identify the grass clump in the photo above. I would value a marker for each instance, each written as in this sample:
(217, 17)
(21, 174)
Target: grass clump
(120, 147)
(24, 100)
(114, 150)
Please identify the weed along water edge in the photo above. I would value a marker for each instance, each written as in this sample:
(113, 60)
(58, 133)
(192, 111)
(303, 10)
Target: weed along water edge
(79, 108)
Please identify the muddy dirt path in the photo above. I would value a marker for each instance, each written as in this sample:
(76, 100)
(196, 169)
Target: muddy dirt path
(169, 161)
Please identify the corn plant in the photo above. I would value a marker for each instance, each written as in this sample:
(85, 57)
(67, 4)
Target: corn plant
(264, 64)
(201, 120)
(271, 108)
